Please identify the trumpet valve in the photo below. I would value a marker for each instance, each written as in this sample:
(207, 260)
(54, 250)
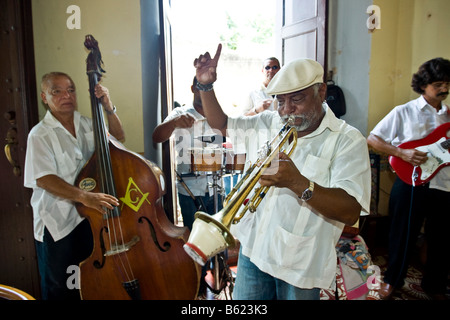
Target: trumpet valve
(264, 151)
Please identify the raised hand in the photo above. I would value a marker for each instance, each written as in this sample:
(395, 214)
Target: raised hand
(206, 67)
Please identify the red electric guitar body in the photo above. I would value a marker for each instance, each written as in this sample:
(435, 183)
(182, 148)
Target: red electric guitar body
(436, 145)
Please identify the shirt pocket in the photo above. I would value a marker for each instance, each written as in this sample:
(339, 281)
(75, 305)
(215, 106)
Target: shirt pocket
(290, 250)
(316, 169)
(67, 165)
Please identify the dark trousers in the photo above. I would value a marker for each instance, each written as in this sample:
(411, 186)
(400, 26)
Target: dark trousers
(408, 208)
(189, 207)
(55, 257)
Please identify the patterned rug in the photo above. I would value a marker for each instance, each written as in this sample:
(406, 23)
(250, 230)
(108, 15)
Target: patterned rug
(410, 291)
(355, 284)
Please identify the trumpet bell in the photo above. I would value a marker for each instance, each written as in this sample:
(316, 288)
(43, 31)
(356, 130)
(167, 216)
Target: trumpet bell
(208, 237)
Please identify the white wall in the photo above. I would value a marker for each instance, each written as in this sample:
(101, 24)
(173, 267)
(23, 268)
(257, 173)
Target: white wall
(115, 24)
(349, 47)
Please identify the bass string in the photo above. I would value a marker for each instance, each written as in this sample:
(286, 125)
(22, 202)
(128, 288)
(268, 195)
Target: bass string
(112, 220)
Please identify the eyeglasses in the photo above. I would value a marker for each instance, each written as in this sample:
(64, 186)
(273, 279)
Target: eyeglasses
(59, 92)
(271, 67)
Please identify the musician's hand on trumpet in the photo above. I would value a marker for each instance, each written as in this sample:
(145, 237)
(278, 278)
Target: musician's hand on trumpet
(283, 174)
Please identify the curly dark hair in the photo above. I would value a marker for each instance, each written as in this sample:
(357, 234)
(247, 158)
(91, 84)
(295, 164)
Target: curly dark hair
(437, 69)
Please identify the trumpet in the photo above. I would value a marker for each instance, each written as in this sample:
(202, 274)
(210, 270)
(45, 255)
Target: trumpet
(211, 234)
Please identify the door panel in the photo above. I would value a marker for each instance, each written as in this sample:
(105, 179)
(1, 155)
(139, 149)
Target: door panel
(304, 46)
(19, 112)
(301, 30)
(301, 10)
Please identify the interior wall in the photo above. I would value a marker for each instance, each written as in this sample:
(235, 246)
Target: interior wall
(430, 30)
(349, 46)
(115, 24)
(390, 59)
(412, 32)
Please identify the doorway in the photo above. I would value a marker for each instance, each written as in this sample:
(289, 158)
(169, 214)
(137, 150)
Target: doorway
(19, 109)
(246, 30)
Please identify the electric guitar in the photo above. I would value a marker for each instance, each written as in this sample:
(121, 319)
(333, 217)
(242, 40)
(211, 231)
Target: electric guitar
(436, 145)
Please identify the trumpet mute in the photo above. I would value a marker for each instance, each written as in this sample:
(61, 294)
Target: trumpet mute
(208, 237)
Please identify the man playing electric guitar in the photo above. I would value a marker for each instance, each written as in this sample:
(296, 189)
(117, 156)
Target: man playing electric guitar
(409, 206)
(436, 147)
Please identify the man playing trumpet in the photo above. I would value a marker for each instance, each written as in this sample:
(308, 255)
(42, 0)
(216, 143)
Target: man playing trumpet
(288, 244)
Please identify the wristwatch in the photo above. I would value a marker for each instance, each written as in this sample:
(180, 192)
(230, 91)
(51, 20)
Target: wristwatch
(308, 193)
(114, 110)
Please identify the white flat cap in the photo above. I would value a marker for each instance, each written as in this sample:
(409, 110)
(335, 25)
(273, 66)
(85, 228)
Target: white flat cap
(297, 75)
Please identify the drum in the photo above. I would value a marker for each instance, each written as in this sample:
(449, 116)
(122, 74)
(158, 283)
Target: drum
(206, 160)
(234, 163)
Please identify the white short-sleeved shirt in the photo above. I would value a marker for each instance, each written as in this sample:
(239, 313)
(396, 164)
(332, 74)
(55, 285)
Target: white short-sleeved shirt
(185, 140)
(413, 121)
(284, 237)
(52, 150)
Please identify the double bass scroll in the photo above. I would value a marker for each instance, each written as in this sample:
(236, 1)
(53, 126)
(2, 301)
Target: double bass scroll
(138, 253)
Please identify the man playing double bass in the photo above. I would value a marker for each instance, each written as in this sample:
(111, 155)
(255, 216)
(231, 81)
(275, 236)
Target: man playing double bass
(288, 244)
(57, 149)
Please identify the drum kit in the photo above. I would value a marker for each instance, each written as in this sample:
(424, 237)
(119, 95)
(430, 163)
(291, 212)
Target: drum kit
(220, 162)
(216, 160)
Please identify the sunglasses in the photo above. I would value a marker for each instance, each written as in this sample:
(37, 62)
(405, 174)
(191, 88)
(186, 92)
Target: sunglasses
(271, 67)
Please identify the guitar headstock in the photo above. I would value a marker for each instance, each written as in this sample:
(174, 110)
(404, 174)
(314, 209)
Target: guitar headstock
(94, 60)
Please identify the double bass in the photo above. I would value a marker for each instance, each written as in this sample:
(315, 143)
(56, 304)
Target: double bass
(138, 253)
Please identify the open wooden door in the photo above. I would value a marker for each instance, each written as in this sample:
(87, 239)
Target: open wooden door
(301, 30)
(19, 113)
(168, 167)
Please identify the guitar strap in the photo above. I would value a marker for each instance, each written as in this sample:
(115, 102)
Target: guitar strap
(408, 230)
